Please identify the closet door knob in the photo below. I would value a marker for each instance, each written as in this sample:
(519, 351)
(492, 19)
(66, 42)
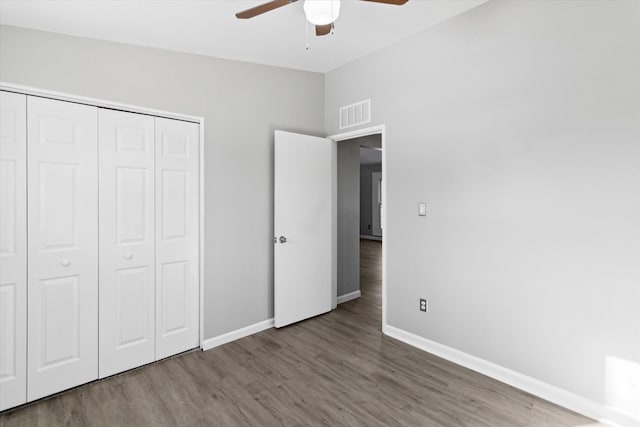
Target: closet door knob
(128, 255)
(65, 262)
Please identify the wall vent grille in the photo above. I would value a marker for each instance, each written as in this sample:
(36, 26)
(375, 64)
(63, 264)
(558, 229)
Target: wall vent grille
(355, 114)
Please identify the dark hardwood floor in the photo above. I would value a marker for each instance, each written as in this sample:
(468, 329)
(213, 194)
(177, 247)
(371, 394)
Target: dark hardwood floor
(336, 369)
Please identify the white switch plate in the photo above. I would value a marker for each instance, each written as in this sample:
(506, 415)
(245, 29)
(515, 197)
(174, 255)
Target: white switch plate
(422, 209)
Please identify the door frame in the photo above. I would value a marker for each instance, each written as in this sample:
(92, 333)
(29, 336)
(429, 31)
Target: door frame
(375, 212)
(102, 103)
(373, 130)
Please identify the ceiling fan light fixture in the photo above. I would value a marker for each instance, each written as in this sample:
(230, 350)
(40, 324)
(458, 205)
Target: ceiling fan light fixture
(321, 12)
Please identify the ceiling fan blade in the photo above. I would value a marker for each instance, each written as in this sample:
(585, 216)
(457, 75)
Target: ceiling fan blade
(263, 8)
(394, 2)
(323, 30)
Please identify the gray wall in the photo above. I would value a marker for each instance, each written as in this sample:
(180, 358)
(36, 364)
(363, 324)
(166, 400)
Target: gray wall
(365, 197)
(371, 141)
(348, 216)
(242, 105)
(519, 124)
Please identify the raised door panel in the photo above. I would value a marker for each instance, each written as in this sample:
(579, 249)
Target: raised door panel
(134, 188)
(175, 192)
(58, 205)
(63, 245)
(174, 297)
(127, 241)
(13, 250)
(8, 217)
(177, 236)
(59, 322)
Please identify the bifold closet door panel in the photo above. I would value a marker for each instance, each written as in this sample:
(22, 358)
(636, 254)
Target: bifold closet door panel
(13, 249)
(127, 241)
(177, 236)
(62, 152)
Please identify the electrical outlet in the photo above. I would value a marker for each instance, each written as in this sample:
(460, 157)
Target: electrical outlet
(423, 305)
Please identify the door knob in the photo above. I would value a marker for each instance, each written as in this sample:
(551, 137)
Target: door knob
(128, 255)
(283, 239)
(65, 262)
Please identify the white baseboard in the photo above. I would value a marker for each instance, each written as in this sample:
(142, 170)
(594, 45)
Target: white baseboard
(348, 297)
(366, 237)
(237, 334)
(567, 399)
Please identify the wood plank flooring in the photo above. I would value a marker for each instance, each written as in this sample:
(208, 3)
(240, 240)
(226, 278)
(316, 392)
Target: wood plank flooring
(337, 370)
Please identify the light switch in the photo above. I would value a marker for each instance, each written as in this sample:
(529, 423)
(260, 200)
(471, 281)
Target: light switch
(422, 209)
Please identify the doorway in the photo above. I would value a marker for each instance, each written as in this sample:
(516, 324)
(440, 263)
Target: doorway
(377, 209)
(352, 179)
(371, 205)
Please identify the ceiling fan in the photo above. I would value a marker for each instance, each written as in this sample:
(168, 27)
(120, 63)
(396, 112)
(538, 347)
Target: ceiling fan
(321, 13)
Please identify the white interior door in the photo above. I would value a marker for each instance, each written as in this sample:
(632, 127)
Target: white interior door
(13, 250)
(177, 236)
(304, 220)
(377, 207)
(127, 241)
(63, 245)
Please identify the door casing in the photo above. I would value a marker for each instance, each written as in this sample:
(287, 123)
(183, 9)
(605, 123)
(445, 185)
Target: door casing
(376, 202)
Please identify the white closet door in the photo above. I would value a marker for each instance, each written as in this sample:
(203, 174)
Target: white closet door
(63, 245)
(13, 250)
(177, 236)
(127, 241)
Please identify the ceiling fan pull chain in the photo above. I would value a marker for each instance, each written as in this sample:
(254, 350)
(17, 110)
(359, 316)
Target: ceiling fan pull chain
(306, 33)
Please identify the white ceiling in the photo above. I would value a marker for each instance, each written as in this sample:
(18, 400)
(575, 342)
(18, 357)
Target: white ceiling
(370, 156)
(211, 28)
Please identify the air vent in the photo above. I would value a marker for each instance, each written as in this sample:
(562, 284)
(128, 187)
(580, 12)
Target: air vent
(355, 114)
